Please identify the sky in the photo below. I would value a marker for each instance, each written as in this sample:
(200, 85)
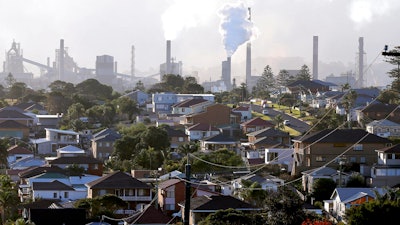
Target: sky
(278, 29)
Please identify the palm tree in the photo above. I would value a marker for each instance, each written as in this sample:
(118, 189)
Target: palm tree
(279, 122)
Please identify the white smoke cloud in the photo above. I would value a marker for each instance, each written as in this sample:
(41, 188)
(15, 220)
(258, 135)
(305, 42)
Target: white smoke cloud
(235, 27)
(364, 11)
(185, 14)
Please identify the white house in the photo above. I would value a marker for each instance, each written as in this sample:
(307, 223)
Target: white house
(383, 128)
(387, 171)
(200, 131)
(280, 156)
(245, 112)
(54, 140)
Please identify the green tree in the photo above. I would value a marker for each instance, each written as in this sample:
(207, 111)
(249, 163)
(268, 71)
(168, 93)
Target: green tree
(10, 80)
(8, 198)
(62, 86)
(389, 97)
(285, 206)
(125, 106)
(323, 188)
(283, 78)
(304, 73)
(356, 180)
(221, 157)
(140, 86)
(17, 90)
(278, 119)
(252, 193)
(92, 89)
(232, 217)
(395, 72)
(57, 102)
(266, 83)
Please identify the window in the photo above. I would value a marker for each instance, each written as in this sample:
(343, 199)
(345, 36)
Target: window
(170, 207)
(171, 194)
(271, 156)
(100, 144)
(66, 194)
(363, 160)
(54, 195)
(353, 159)
(107, 144)
(320, 158)
(358, 147)
(182, 109)
(180, 139)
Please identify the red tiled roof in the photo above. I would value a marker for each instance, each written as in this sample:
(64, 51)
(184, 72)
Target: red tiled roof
(257, 122)
(117, 179)
(202, 127)
(18, 150)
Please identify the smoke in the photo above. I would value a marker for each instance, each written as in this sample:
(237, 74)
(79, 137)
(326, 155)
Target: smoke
(364, 11)
(235, 27)
(185, 14)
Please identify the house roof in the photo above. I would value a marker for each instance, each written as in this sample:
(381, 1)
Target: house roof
(269, 131)
(28, 106)
(257, 121)
(202, 127)
(322, 171)
(342, 136)
(106, 135)
(51, 175)
(18, 150)
(117, 179)
(174, 132)
(151, 215)
(189, 102)
(71, 132)
(346, 193)
(70, 149)
(54, 185)
(218, 202)
(384, 122)
(12, 124)
(75, 160)
(391, 149)
(169, 183)
(33, 171)
(380, 107)
(267, 141)
(241, 108)
(220, 138)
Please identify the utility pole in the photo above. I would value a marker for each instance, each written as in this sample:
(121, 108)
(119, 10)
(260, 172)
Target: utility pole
(187, 193)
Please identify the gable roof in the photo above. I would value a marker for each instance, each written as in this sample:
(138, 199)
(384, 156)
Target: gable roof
(169, 183)
(380, 107)
(189, 102)
(18, 150)
(70, 149)
(391, 149)
(54, 185)
(241, 108)
(218, 202)
(269, 132)
(117, 179)
(346, 193)
(75, 160)
(220, 138)
(151, 215)
(202, 127)
(343, 136)
(384, 122)
(14, 113)
(12, 124)
(106, 135)
(257, 121)
(33, 171)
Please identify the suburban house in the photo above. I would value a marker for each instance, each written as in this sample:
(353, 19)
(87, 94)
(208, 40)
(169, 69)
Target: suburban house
(103, 143)
(245, 112)
(54, 140)
(138, 96)
(317, 149)
(345, 198)
(149, 215)
(299, 86)
(47, 121)
(255, 124)
(176, 137)
(268, 138)
(202, 206)
(269, 182)
(215, 115)
(379, 111)
(194, 105)
(162, 102)
(219, 141)
(89, 164)
(172, 191)
(15, 123)
(199, 131)
(15, 153)
(309, 177)
(386, 172)
(384, 128)
(280, 156)
(123, 185)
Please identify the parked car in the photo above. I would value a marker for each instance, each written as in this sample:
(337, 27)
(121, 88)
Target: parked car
(286, 122)
(265, 111)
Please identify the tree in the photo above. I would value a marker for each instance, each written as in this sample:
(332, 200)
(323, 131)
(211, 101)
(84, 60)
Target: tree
(10, 80)
(220, 157)
(125, 106)
(285, 206)
(265, 83)
(283, 78)
(389, 97)
(278, 119)
(92, 89)
(231, 217)
(395, 72)
(304, 73)
(356, 180)
(17, 90)
(252, 192)
(57, 102)
(8, 198)
(323, 188)
(139, 86)
(63, 87)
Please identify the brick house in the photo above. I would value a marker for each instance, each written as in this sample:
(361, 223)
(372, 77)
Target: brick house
(317, 149)
(378, 111)
(268, 138)
(255, 124)
(216, 115)
(103, 143)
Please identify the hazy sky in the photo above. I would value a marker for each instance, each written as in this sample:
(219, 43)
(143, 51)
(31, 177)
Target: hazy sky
(285, 29)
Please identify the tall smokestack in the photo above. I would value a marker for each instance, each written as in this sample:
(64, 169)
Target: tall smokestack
(61, 60)
(315, 58)
(360, 62)
(168, 60)
(248, 57)
(226, 73)
(115, 67)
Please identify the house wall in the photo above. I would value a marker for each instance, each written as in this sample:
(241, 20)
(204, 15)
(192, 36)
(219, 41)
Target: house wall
(58, 194)
(102, 149)
(178, 196)
(215, 115)
(319, 154)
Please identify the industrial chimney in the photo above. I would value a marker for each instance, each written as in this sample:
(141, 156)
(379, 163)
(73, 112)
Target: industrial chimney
(168, 59)
(315, 58)
(360, 80)
(61, 61)
(226, 73)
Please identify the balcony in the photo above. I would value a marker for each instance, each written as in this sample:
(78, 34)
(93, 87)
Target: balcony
(136, 198)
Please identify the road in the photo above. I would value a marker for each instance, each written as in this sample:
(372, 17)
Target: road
(295, 123)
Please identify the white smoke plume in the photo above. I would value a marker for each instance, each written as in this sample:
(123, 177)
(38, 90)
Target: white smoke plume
(185, 14)
(235, 27)
(364, 11)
